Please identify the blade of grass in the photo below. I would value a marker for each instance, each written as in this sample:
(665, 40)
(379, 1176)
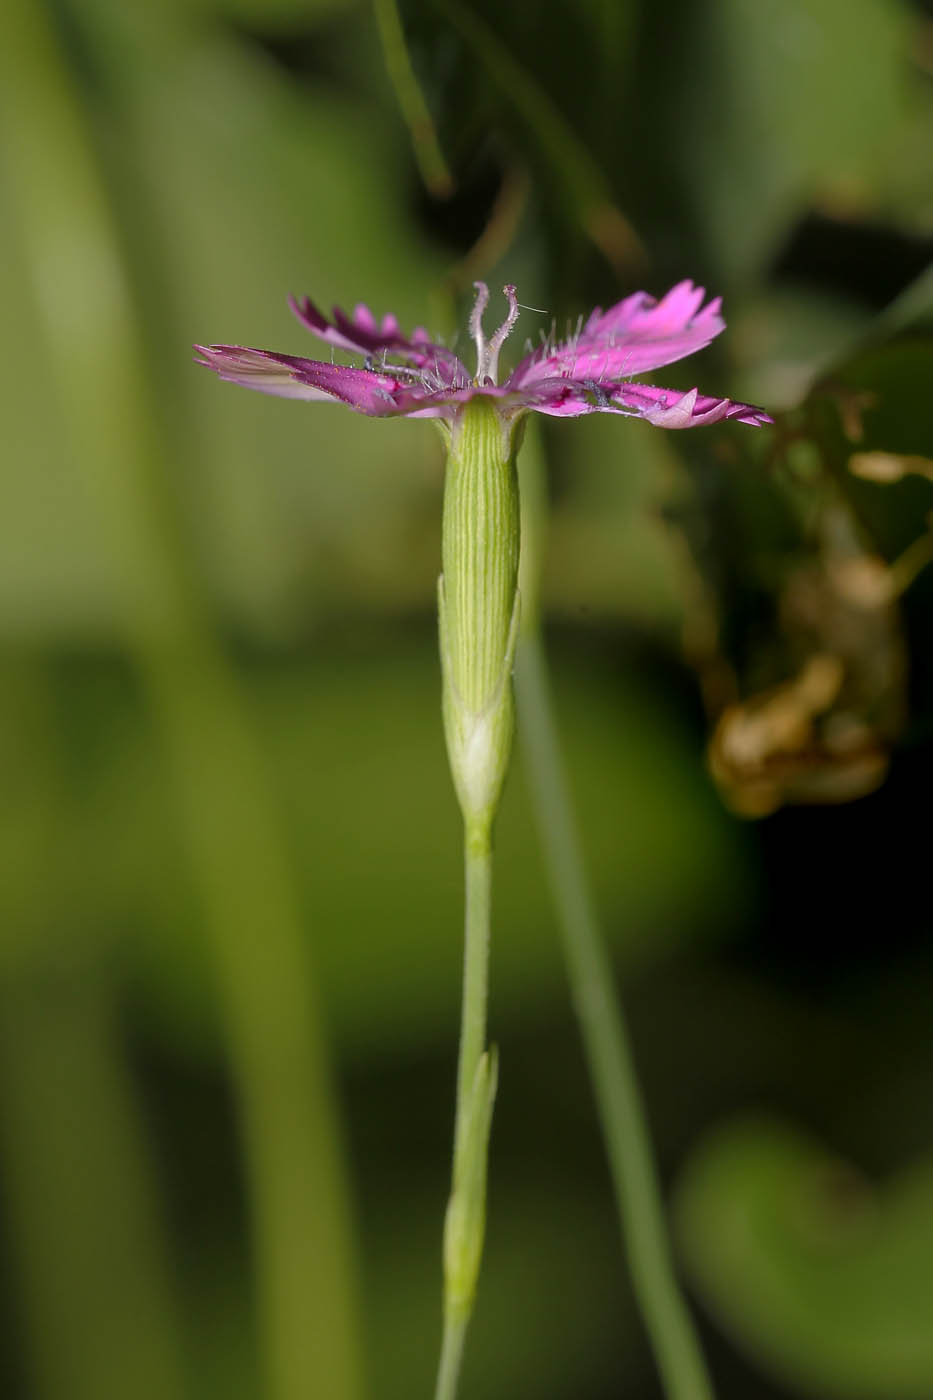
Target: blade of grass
(425, 144)
(303, 1250)
(98, 1314)
(587, 195)
(95, 1291)
(602, 1024)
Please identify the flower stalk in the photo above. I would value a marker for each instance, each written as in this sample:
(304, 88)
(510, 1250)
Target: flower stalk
(478, 603)
(478, 607)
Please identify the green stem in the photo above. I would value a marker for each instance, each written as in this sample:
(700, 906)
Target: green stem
(448, 1373)
(602, 1025)
(477, 853)
(408, 94)
(586, 189)
(478, 615)
(469, 1139)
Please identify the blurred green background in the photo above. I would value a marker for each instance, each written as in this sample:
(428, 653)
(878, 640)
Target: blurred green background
(229, 852)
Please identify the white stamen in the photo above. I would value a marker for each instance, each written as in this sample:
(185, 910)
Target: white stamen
(498, 340)
(487, 352)
(476, 328)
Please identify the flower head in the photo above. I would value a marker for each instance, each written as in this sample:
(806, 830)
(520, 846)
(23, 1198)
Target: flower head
(413, 377)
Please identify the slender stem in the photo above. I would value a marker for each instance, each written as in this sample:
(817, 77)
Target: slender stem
(602, 1025)
(585, 187)
(448, 1372)
(408, 94)
(478, 618)
(477, 855)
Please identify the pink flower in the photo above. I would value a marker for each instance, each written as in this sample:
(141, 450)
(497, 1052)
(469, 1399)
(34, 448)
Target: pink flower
(411, 376)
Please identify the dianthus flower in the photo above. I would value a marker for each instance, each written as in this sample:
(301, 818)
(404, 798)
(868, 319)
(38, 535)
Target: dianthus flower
(478, 597)
(414, 377)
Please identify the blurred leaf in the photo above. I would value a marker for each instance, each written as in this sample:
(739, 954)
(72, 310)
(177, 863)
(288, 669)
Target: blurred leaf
(904, 186)
(785, 102)
(584, 189)
(822, 1278)
(54, 580)
(95, 1285)
(282, 16)
(782, 339)
(235, 187)
(268, 17)
(608, 551)
(882, 404)
(913, 309)
(879, 403)
(356, 747)
(260, 189)
(875, 406)
(391, 944)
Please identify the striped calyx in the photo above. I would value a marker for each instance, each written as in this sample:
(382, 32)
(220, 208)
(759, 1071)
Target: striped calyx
(479, 603)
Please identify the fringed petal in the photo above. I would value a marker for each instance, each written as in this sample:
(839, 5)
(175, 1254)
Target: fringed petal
(665, 408)
(634, 336)
(366, 391)
(673, 408)
(361, 334)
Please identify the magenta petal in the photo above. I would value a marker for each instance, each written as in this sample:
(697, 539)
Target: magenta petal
(358, 333)
(564, 398)
(364, 318)
(414, 377)
(362, 334)
(366, 391)
(665, 408)
(258, 369)
(673, 408)
(632, 337)
(676, 318)
(675, 311)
